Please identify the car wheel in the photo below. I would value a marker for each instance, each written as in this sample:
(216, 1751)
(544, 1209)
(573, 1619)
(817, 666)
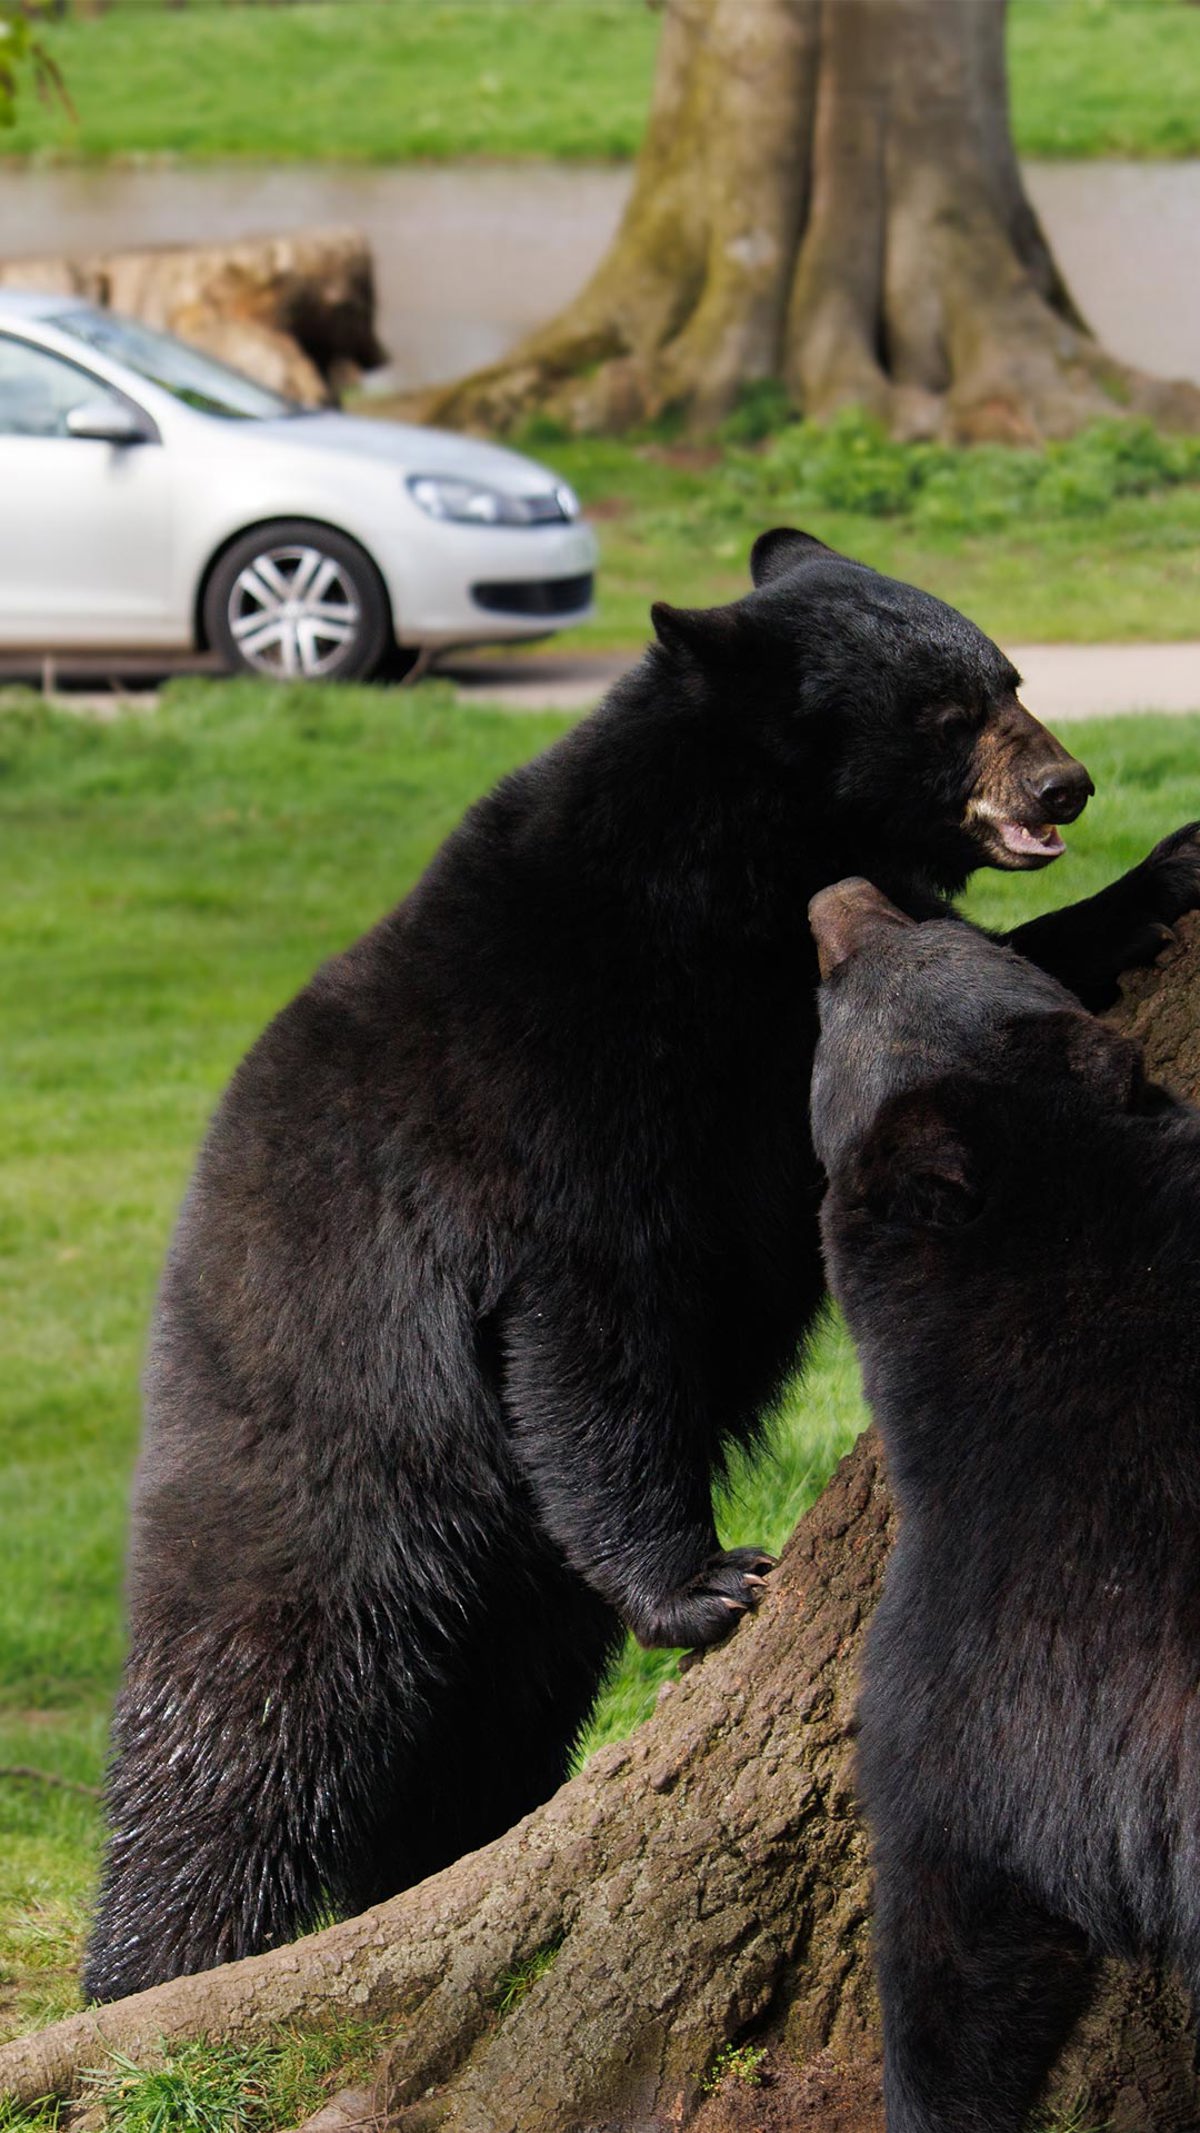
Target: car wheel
(298, 602)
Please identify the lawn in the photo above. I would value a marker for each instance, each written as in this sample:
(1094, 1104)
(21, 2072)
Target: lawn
(170, 879)
(1094, 540)
(356, 81)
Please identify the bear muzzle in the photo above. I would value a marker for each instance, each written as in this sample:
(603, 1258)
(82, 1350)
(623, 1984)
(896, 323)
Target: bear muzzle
(1024, 786)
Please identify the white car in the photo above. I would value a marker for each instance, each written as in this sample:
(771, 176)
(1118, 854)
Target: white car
(153, 499)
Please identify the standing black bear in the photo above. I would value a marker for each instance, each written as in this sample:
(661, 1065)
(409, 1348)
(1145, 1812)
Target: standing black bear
(1013, 1229)
(504, 1228)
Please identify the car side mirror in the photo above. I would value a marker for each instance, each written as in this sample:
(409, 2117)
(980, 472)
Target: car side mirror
(108, 422)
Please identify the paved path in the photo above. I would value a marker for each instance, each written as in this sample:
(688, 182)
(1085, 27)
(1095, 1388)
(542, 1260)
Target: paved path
(1061, 681)
(1065, 681)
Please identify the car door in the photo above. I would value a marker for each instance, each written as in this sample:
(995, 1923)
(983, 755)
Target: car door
(85, 522)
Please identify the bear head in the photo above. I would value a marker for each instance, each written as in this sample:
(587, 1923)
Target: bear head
(943, 1059)
(905, 710)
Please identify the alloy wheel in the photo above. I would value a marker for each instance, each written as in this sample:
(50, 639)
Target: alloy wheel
(292, 611)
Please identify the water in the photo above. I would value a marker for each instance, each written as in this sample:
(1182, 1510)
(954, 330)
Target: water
(467, 257)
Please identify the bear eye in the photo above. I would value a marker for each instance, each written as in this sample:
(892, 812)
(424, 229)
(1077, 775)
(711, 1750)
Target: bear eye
(956, 718)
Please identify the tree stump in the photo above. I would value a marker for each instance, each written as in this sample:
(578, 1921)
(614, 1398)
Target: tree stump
(297, 312)
(704, 1883)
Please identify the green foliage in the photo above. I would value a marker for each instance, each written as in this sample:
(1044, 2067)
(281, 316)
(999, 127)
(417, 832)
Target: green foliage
(25, 61)
(853, 465)
(735, 2063)
(220, 2087)
(1095, 538)
(762, 408)
(513, 1985)
(355, 82)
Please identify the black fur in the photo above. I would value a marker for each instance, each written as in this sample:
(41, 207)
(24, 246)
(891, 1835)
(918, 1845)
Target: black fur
(1013, 1229)
(504, 1228)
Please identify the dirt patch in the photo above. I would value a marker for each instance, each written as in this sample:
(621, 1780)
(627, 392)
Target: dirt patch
(822, 2097)
(602, 507)
(691, 458)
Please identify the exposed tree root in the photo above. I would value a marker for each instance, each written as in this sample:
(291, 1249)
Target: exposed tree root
(678, 1881)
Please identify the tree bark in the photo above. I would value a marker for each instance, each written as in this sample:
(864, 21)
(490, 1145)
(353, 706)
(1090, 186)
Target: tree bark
(827, 194)
(705, 1883)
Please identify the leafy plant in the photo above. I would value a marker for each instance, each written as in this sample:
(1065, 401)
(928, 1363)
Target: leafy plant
(853, 465)
(23, 52)
(735, 2062)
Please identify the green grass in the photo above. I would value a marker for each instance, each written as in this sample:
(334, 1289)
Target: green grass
(352, 81)
(1077, 2118)
(212, 2086)
(216, 2087)
(1105, 77)
(515, 1985)
(1095, 539)
(356, 81)
(168, 882)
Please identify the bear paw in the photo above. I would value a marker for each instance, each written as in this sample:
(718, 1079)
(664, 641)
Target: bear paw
(711, 1604)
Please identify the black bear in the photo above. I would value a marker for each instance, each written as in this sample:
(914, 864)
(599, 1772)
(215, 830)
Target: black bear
(505, 1227)
(1012, 1227)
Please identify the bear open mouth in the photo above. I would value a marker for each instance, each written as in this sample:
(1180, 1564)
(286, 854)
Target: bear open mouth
(1044, 840)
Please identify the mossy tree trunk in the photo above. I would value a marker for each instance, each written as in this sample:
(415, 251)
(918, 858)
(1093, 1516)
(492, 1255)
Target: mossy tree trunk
(706, 1883)
(827, 195)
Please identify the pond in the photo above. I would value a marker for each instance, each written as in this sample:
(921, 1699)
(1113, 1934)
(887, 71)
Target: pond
(468, 256)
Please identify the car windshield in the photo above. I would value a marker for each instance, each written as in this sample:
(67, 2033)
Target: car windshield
(191, 376)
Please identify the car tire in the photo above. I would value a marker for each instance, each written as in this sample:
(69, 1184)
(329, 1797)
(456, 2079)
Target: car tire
(295, 601)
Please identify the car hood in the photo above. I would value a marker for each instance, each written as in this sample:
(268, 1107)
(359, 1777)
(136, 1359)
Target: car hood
(410, 446)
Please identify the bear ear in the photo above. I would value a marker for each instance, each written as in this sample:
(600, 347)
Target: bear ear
(840, 915)
(917, 1165)
(1069, 1039)
(783, 549)
(707, 634)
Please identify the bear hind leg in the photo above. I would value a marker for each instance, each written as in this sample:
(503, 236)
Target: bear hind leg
(980, 1989)
(242, 1805)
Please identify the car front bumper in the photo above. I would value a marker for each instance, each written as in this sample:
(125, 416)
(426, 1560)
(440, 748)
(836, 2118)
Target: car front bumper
(467, 585)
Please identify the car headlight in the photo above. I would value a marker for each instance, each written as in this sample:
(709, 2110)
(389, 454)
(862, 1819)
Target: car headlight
(471, 503)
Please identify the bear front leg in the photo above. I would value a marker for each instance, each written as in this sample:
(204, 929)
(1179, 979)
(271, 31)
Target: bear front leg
(979, 1988)
(1089, 945)
(609, 1424)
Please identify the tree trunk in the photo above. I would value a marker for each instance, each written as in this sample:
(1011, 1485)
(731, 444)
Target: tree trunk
(827, 194)
(703, 1884)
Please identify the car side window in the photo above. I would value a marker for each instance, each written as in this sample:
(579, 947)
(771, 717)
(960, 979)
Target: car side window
(38, 390)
